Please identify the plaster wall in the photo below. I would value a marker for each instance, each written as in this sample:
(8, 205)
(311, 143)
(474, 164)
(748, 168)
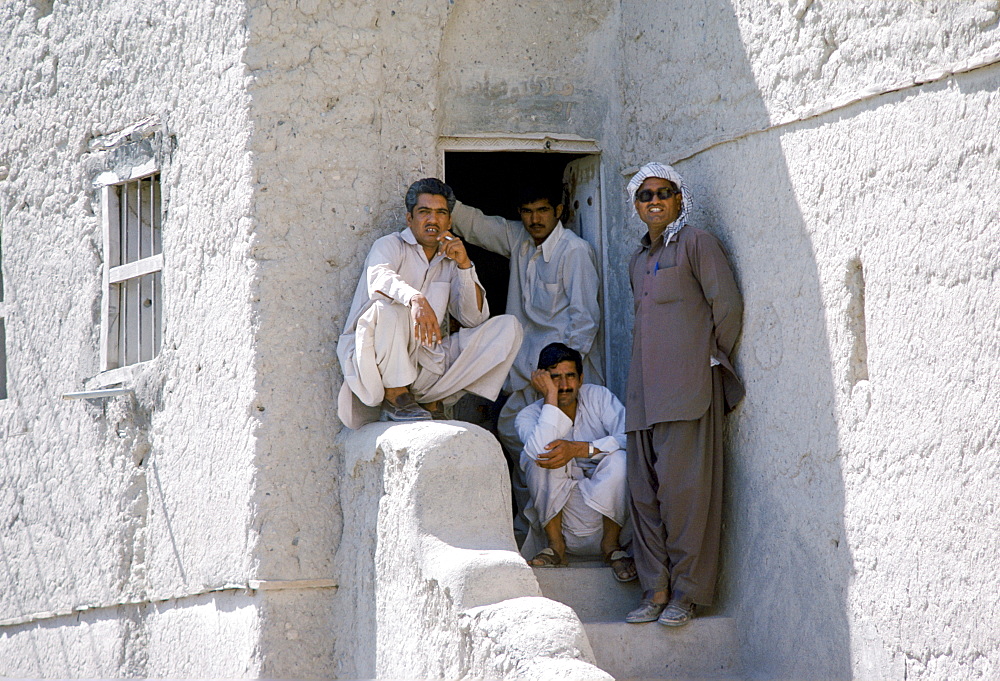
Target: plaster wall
(342, 102)
(811, 133)
(842, 155)
(445, 593)
(133, 499)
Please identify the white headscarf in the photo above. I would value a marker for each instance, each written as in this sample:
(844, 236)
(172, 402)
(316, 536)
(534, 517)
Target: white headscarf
(663, 171)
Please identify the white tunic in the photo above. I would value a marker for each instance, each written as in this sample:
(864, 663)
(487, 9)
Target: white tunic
(552, 291)
(599, 481)
(378, 348)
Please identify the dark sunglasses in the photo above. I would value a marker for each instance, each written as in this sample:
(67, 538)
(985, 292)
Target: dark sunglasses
(663, 193)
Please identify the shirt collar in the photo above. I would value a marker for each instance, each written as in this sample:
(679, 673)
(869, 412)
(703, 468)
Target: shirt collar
(549, 245)
(407, 235)
(646, 243)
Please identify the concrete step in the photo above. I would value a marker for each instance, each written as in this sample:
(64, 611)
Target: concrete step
(707, 648)
(590, 589)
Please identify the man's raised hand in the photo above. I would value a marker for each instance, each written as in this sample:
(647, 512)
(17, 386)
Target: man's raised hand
(453, 248)
(560, 452)
(543, 383)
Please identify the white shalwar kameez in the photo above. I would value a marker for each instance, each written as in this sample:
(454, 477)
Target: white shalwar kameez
(379, 350)
(553, 293)
(585, 490)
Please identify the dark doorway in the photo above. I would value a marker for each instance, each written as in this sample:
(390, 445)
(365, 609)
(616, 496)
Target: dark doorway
(491, 181)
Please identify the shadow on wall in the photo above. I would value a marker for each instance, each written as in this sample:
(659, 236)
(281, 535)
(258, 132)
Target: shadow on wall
(687, 83)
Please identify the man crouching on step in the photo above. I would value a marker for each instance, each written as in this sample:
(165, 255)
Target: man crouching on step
(574, 464)
(398, 359)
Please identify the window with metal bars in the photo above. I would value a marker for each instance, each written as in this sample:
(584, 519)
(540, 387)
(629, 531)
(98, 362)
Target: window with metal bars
(133, 264)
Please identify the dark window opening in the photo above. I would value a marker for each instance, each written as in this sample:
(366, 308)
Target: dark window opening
(491, 182)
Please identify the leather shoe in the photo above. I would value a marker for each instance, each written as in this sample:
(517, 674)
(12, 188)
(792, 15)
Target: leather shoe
(676, 614)
(647, 611)
(404, 409)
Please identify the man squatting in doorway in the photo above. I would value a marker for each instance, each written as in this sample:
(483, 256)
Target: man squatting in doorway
(688, 316)
(574, 463)
(395, 351)
(552, 291)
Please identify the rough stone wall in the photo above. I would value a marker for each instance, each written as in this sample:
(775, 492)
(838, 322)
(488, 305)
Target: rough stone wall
(342, 99)
(143, 501)
(860, 511)
(446, 595)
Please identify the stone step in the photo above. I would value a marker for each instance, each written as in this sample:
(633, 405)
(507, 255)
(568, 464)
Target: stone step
(707, 648)
(590, 589)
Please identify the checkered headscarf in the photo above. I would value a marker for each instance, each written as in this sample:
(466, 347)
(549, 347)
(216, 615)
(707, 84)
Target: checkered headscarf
(662, 170)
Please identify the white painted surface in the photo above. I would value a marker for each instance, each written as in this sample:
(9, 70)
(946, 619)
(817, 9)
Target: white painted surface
(452, 596)
(126, 499)
(862, 514)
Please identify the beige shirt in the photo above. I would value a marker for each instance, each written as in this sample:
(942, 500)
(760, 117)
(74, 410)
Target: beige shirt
(552, 291)
(397, 269)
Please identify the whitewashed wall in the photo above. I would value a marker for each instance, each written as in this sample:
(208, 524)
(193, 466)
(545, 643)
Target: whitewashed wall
(844, 153)
(862, 507)
(143, 501)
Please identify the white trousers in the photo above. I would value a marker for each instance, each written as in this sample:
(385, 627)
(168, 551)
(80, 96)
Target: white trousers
(584, 496)
(383, 353)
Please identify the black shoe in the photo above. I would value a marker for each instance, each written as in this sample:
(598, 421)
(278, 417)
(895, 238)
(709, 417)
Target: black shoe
(404, 409)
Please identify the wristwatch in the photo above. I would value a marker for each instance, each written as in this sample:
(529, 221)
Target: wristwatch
(591, 450)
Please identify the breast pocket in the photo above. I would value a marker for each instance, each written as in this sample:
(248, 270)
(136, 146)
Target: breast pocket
(667, 285)
(437, 295)
(546, 297)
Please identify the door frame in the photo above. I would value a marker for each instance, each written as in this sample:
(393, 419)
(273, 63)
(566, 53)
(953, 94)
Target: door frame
(554, 144)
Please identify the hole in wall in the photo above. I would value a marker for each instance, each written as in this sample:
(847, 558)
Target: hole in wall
(857, 369)
(44, 7)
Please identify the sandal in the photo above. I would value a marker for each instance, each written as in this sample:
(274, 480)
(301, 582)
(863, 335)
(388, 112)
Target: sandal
(548, 558)
(676, 614)
(622, 566)
(647, 611)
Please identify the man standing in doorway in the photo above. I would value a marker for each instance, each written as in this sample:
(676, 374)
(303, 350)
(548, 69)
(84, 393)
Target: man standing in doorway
(688, 316)
(395, 352)
(552, 291)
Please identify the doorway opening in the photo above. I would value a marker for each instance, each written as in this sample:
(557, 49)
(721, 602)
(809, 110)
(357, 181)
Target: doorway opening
(491, 182)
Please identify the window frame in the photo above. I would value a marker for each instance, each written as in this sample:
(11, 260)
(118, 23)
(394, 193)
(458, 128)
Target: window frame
(115, 364)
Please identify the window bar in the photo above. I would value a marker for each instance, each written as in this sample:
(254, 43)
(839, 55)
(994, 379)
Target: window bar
(149, 214)
(157, 312)
(145, 318)
(136, 330)
(137, 231)
(122, 218)
(157, 218)
(145, 235)
(122, 315)
(152, 215)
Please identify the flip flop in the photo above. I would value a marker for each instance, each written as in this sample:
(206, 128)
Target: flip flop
(548, 559)
(625, 566)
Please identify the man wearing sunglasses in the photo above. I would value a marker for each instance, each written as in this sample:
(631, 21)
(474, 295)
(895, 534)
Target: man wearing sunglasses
(552, 292)
(688, 316)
